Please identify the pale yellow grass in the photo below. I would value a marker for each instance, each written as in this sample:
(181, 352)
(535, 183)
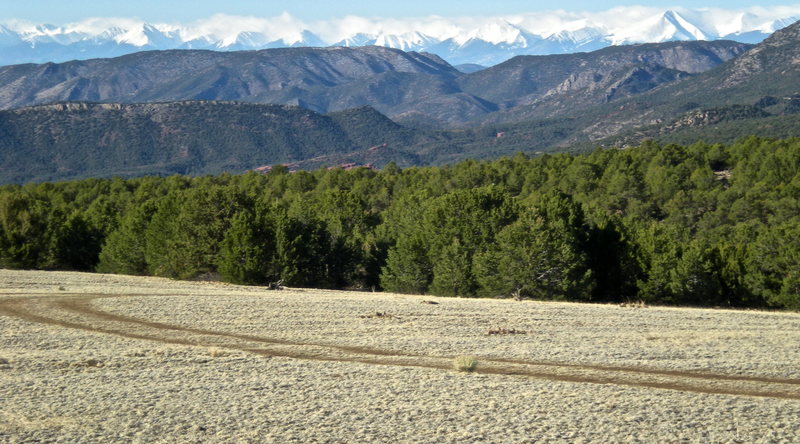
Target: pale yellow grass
(124, 359)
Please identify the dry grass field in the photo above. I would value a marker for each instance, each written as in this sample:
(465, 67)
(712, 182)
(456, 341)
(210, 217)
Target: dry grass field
(101, 358)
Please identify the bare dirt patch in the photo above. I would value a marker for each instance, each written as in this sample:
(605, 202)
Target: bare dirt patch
(307, 365)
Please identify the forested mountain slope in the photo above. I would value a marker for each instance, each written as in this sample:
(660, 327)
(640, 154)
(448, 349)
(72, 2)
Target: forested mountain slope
(74, 140)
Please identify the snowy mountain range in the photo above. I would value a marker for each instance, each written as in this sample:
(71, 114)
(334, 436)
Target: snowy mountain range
(483, 41)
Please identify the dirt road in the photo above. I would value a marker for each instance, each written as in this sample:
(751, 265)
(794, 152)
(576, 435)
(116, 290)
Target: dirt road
(77, 311)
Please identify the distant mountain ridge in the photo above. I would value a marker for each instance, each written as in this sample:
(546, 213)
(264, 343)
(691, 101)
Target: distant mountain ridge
(410, 87)
(488, 42)
(675, 91)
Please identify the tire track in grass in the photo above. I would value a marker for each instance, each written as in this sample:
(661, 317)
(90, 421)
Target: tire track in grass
(84, 306)
(92, 319)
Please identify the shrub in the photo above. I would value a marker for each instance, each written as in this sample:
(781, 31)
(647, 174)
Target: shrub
(465, 363)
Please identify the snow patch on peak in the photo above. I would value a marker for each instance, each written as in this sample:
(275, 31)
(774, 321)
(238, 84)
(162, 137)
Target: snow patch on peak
(682, 29)
(408, 41)
(359, 39)
(665, 27)
(778, 24)
(579, 36)
(496, 32)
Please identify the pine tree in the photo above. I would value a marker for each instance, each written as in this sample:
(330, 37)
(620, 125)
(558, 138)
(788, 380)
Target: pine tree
(452, 272)
(123, 251)
(538, 256)
(248, 251)
(408, 269)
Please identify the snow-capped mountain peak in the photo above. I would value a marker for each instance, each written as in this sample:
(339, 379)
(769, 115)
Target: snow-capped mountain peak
(578, 37)
(678, 28)
(669, 26)
(496, 32)
(407, 41)
(483, 40)
(360, 39)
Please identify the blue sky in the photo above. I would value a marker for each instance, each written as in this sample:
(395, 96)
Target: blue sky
(63, 11)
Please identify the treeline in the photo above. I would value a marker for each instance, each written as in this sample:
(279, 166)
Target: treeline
(696, 225)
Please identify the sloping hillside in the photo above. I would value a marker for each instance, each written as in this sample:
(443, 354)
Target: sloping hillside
(408, 86)
(73, 140)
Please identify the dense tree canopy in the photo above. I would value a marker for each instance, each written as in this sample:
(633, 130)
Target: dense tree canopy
(692, 225)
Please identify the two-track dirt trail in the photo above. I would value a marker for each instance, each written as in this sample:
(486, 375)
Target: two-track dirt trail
(78, 311)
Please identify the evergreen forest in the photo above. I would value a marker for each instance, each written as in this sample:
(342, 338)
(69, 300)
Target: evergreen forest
(698, 225)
